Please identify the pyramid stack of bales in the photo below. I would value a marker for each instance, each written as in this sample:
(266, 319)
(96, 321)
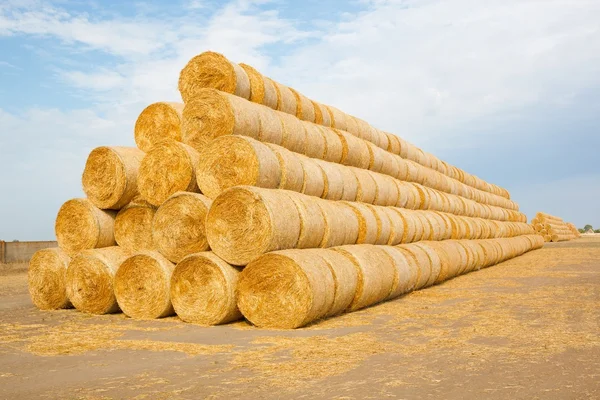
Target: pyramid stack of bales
(553, 229)
(252, 200)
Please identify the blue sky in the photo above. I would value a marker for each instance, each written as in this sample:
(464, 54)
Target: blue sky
(506, 90)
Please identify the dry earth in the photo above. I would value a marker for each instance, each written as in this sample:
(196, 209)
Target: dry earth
(525, 329)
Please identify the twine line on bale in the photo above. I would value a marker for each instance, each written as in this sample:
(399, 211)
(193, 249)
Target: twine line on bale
(47, 279)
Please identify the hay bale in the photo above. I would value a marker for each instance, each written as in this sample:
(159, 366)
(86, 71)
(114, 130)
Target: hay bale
(376, 274)
(80, 225)
(90, 278)
(257, 86)
(312, 221)
(313, 177)
(387, 190)
(179, 228)
(333, 145)
(316, 146)
(367, 187)
(434, 260)
(384, 227)
(405, 276)
(110, 176)
(355, 152)
(304, 107)
(237, 160)
(351, 187)
(294, 134)
(271, 128)
(169, 167)
(423, 263)
(286, 101)
(345, 278)
(211, 114)
(203, 290)
(367, 223)
(213, 70)
(290, 164)
(409, 224)
(341, 224)
(245, 222)
(334, 180)
(47, 279)
(325, 119)
(142, 286)
(396, 226)
(133, 226)
(157, 122)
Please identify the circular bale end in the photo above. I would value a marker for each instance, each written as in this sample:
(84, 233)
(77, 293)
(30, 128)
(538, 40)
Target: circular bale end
(47, 279)
(257, 84)
(157, 122)
(133, 226)
(166, 169)
(80, 225)
(203, 290)
(178, 227)
(142, 286)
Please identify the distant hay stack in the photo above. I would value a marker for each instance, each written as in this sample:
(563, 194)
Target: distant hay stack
(90, 277)
(133, 226)
(213, 70)
(157, 122)
(178, 227)
(110, 176)
(47, 279)
(203, 290)
(237, 160)
(80, 225)
(169, 167)
(142, 286)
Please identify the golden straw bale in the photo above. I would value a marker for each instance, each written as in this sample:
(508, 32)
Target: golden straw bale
(396, 225)
(169, 167)
(46, 279)
(286, 101)
(409, 223)
(257, 85)
(338, 118)
(110, 176)
(355, 152)
(387, 190)
(316, 145)
(271, 94)
(393, 143)
(143, 284)
(304, 107)
(367, 188)
(434, 260)
(424, 263)
(318, 113)
(245, 222)
(341, 224)
(312, 221)
(367, 222)
(345, 277)
(314, 177)
(326, 118)
(203, 290)
(334, 180)
(90, 278)
(157, 122)
(133, 225)
(405, 194)
(237, 160)
(271, 129)
(179, 227)
(80, 225)
(384, 227)
(351, 126)
(290, 164)
(333, 145)
(376, 274)
(351, 184)
(294, 134)
(405, 276)
(213, 70)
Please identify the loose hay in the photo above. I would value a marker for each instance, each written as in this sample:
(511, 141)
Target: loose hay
(203, 290)
(133, 226)
(142, 286)
(110, 176)
(47, 279)
(157, 122)
(80, 225)
(179, 228)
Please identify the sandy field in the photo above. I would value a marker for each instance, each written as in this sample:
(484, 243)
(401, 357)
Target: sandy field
(526, 329)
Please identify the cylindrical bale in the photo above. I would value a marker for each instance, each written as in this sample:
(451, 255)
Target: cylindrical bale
(312, 221)
(367, 188)
(257, 86)
(423, 263)
(304, 107)
(434, 260)
(387, 190)
(133, 226)
(286, 289)
(179, 226)
(325, 116)
(341, 224)
(367, 223)
(143, 284)
(157, 122)
(405, 277)
(345, 277)
(286, 101)
(213, 70)
(270, 126)
(211, 114)
(316, 146)
(351, 187)
(410, 228)
(245, 222)
(333, 145)
(384, 227)
(294, 134)
(396, 226)
(110, 176)
(334, 180)
(404, 192)
(47, 279)
(376, 274)
(355, 152)
(203, 290)
(169, 167)
(376, 157)
(290, 164)
(338, 118)
(80, 225)
(90, 279)
(313, 176)
(237, 160)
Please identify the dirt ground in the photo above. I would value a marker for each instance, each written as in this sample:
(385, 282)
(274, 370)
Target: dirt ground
(525, 329)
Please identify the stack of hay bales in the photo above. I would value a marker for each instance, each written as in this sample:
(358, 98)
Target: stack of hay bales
(251, 200)
(553, 229)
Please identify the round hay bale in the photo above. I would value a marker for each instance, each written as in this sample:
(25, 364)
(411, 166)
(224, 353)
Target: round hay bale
(80, 225)
(211, 114)
(404, 190)
(257, 84)
(314, 177)
(142, 286)
(312, 221)
(350, 180)
(434, 261)
(237, 160)
(290, 164)
(387, 190)
(424, 264)
(304, 107)
(318, 113)
(351, 125)
(338, 118)
(286, 289)
(133, 226)
(355, 151)
(333, 145)
(179, 227)
(110, 176)
(213, 70)
(404, 276)
(271, 94)
(90, 277)
(325, 115)
(367, 187)
(409, 223)
(334, 180)
(345, 277)
(203, 290)
(294, 134)
(376, 156)
(316, 145)
(286, 101)
(245, 222)
(396, 226)
(47, 279)
(376, 274)
(393, 143)
(341, 224)
(390, 165)
(168, 168)
(270, 126)
(384, 228)
(367, 222)
(157, 122)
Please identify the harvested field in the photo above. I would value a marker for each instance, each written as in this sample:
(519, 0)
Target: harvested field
(527, 328)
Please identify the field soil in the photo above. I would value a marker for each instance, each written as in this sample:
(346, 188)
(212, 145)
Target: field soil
(528, 328)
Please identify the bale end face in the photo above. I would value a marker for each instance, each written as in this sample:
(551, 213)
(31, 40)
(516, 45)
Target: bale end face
(80, 225)
(157, 122)
(47, 279)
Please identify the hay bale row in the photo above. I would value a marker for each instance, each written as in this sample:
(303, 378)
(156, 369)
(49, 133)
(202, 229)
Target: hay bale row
(553, 229)
(234, 160)
(292, 288)
(213, 70)
(245, 222)
(212, 114)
